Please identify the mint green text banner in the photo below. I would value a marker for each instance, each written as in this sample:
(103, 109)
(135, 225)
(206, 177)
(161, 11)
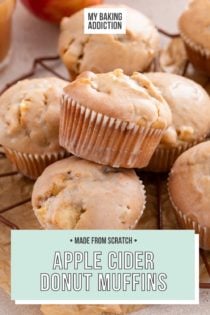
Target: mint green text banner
(104, 266)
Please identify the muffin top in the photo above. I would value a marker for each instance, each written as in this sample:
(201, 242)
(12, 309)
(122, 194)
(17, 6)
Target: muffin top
(129, 98)
(189, 104)
(189, 183)
(78, 194)
(29, 115)
(133, 51)
(194, 25)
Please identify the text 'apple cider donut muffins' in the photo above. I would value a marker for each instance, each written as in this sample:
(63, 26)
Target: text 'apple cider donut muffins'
(78, 194)
(190, 107)
(29, 124)
(113, 119)
(133, 51)
(195, 32)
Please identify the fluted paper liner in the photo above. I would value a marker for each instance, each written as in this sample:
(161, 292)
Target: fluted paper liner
(199, 56)
(105, 140)
(32, 165)
(164, 158)
(189, 223)
(144, 205)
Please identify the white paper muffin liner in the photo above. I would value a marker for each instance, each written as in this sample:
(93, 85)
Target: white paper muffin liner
(105, 140)
(199, 56)
(164, 158)
(203, 51)
(32, 165)
(188, 223)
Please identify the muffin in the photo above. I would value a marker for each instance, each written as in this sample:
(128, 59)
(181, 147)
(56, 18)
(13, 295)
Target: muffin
(194, 28)
(133, 51)
(190, 107)
(89, 309)
(29, 124)
(78, 194)
(173, 57)
(113, 119)
(189, 190)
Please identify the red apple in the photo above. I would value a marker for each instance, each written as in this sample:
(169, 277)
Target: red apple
(54, 10)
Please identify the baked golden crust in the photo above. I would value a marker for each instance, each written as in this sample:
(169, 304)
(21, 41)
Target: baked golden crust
(128, 98)
(77, 194)
(29, 115)
(190, 107)
(133, 51)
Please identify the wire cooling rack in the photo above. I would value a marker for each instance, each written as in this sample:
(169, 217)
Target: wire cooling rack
(155, 179)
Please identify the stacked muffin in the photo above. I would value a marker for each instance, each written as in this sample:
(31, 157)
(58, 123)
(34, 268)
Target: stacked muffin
(112, 130)
(113, 119)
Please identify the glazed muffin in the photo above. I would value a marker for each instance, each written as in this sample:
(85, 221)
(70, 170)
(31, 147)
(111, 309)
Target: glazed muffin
(29, 124)
(190, 107)
(194, 28)
(189, 190)
(113, 119)
(133, 51)
(78, 194)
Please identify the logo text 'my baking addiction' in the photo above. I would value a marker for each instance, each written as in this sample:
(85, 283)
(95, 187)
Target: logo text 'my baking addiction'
(105, 21)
